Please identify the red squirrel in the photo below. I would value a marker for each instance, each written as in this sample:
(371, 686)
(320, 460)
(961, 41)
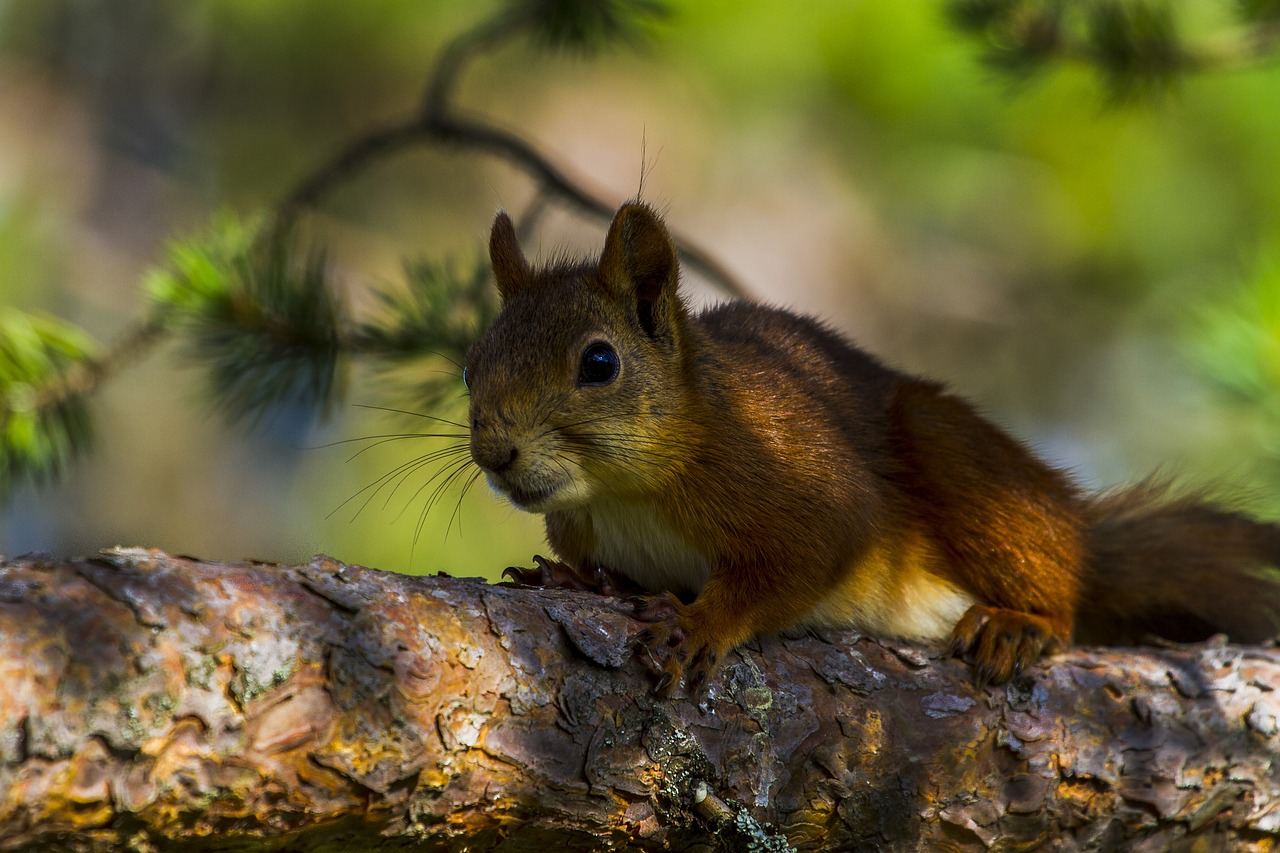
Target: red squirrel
(766, 475)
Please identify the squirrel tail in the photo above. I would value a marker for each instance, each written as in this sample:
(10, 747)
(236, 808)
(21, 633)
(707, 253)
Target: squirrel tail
(1178, 567)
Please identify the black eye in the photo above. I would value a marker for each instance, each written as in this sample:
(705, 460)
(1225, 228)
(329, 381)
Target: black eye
(465, 383)
(599, 365)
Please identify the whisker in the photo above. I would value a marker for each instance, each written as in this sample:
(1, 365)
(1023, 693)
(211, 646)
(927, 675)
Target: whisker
(442, 487)
(457, 506)
(433, 499)
(551, 407)
(410, 413)
(401, 476)
(390, 438)
(389, 435)
(386, 437)
(421, 462)
(447, 358)
(378, 484)
(447, 471)
(364, 489)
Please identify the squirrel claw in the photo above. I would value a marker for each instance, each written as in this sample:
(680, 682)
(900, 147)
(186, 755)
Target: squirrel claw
(659, 636)
(666, 684)
(702, 667)
(522, 576)
(641, 640)
(655, 608)
(544, 573)
(554, 574)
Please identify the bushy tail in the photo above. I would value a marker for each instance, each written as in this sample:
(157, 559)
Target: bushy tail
(1178, 567)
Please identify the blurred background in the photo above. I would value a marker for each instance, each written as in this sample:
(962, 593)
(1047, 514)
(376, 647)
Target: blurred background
(1102, 278)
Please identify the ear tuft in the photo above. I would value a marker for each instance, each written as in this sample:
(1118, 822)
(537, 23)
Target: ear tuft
(510, 269)
(639, 264)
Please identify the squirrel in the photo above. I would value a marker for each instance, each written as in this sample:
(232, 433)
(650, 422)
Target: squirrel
(760, 474)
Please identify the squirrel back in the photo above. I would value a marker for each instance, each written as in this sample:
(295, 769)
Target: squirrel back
(766, 474)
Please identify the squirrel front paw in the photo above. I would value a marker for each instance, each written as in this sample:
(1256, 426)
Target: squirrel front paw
(554, 574)
(677, 648)
(1001, 643)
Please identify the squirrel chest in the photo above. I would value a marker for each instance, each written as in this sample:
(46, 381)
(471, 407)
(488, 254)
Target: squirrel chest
(633, 538)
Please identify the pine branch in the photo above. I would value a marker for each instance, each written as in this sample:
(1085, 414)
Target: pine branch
(42, 424)
(152, 702)
(1135, 46)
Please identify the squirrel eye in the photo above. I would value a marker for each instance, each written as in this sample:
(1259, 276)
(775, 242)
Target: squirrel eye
(465, 383)
(599, 365)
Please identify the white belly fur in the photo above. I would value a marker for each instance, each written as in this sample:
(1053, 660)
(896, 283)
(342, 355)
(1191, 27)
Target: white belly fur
(632, 538)
(889, 598)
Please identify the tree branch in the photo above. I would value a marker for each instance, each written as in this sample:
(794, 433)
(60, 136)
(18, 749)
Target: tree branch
(83, 378)
(161, 702)
(435, 123)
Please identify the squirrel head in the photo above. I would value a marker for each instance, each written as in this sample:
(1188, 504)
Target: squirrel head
(575, 388)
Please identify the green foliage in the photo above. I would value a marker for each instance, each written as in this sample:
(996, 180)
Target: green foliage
(264, 323)
(1238, 346)
(440, 311)
(436, 315)
(262, 320)
(1134, 45)
(1235, 342)
(974, 14)
(586, 26)
(199, 275)
(1020, 36)
(40, 429)
(1260, 10)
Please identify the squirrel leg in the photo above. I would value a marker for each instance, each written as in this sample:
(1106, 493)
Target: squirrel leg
(1002, 643)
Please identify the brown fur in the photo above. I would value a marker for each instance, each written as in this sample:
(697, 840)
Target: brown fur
(774, 475)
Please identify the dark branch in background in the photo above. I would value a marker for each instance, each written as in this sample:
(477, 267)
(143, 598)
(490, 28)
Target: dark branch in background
(247, 308)
(435, 123)
(83, 378)
(532, 215)
(1134, 45)
(457, 54)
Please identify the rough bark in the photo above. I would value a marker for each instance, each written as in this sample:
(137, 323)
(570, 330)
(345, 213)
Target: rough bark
(151, 702)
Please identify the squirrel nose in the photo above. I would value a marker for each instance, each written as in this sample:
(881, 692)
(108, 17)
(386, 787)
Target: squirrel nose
(495, 458)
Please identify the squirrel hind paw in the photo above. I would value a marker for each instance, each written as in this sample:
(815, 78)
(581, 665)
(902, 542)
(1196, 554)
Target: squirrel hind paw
(1001, 644)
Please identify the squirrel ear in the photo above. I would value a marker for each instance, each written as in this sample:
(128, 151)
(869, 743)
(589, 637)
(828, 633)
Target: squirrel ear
(639, 263)
(510, 269)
